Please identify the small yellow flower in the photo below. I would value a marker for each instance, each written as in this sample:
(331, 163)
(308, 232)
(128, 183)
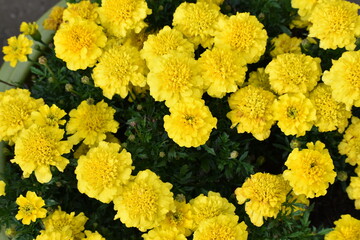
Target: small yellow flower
(346, 228)
(266, 192)
(17, 50)
(190, 123)
(244, 34)
(197, 21)
(50, 235)
(343, 78)
(29, 28)
(144, 201)
(48, 116)
(221, 227)
(103, 171)
(350, 145)
(119, 17)
(310, 171)
(336, 24)
(353, 190)
(83, 9)
(251, 111)
(210, 206)
(259, 78)
(295, 114)
(91, 129)
(79, 42)
(2, 188)
(92, 236)
(30, 208)
(54, 19)
(293, 73)
(283, 43)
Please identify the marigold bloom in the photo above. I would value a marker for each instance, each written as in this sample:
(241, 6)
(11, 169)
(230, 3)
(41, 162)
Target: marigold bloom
(283, 43)
(336, 24)
(49, 235)
(293, 73)
(197, 21)
(295, 114)
(17, 50)
(166, 41)
(2, 188)
(16, 106)
(221, 227)
(119, 67)
(210, 206)
(38, 148)
(62, 222)
(48, 116)
(251, 111)
(343, 78)
(144, 201)
(244, 34)
(162, 233)
(353, 190)
(92, 236)
(350, 145)
(91, 129)
(330, 114)
(222, 70)
(83, 9)
(30, 208)
(120, 16)
(78, 43)
(29, 28)
(305, 7)
(190, 123)
(310, 171)
(346, 228)
(54, 19)
(266, 192)
(175, 77)
(103, 171)
(259, 78)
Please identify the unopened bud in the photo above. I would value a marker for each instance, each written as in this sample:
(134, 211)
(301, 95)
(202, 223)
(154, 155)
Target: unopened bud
(180, 198)
(342, 176)
(69, 87)
(139, 107)
(295, 144)
(261, 16)
(161, 154)
(90, 101)
(132, 137)
(51, 80)
(85, 80)
(42, 60)
(10, 232)
(260, 160)
(234, 154)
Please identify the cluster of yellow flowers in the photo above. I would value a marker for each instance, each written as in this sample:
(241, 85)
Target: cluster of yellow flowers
(287, 92)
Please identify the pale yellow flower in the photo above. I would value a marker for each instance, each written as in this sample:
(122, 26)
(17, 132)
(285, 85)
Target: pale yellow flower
(30, 208)
(17, 50)
(346, 228)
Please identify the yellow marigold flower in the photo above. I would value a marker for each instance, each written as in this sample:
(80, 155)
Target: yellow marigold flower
(17, 50)
(293, 73)
(2, 188)
(160, 233)
(54, 19)
(166, 41)
(197, 21)
(330, 114)
(83, 9)
(295, 114)
(29, 28)
(222, 70)
(283, 43)
(48, 116)
(266, 192)
(91, 130)
(16, 106)
(49, 235)
(343, 77)
(120, 16)
(175, 77)
(119, 67)
(210, 206)
(30, 208)
(353, 190)
(244, 34)
(299, 22)
(350, 145)
(336, 23)
(38, 148)
(218, 2)
(251, 111)
(310, 171)
(259, 78)
(103, 171)
(144, 201)
(346, 228)
(190, 123)
(180, 218)
(62, 222)
(78, 43)
(92, 236)
(305, 7)
(221, 227)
